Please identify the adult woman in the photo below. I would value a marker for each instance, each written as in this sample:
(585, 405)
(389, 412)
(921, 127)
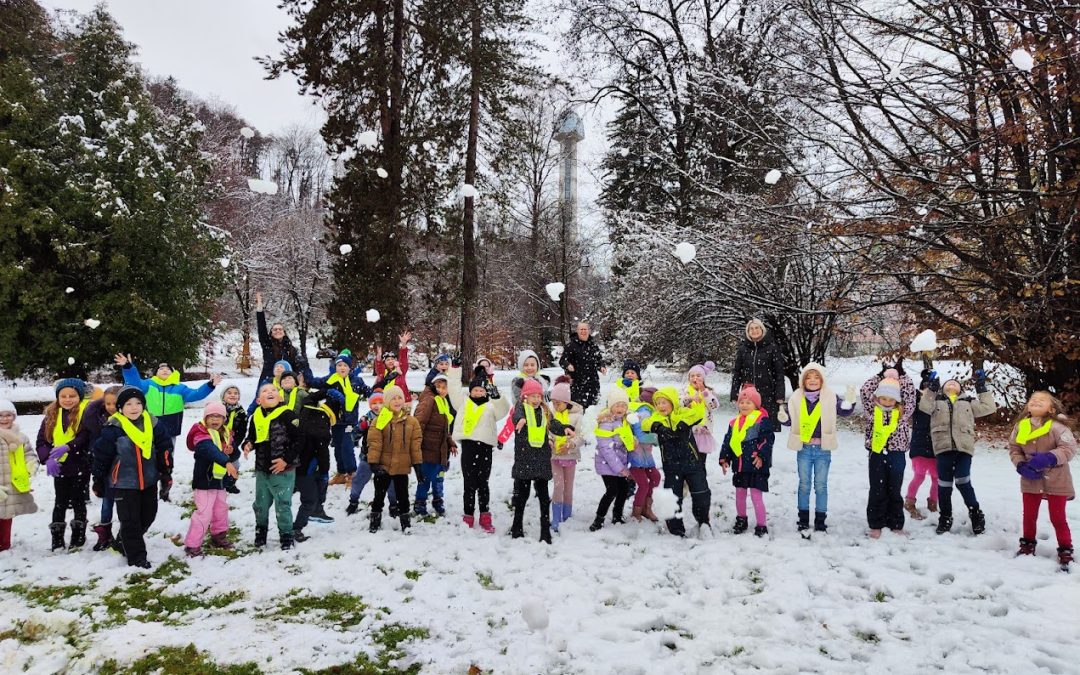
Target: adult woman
(759, 362)
(275, 344)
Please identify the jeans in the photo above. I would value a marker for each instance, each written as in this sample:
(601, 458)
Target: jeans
(106, 507)
(432, 475)
(360, 480)
(954, 467)
(884, 505)
(344, 449)
(276, 489)
(814, 468)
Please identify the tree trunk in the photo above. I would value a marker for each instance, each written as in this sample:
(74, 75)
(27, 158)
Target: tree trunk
(469, 262)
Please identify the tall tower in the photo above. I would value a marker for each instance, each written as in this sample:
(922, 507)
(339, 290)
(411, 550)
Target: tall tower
(569, 131)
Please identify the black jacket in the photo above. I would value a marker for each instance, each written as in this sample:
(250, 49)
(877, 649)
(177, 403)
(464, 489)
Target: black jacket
(760, 364)
(275, 350)
(315, 435)
(119, 465)
(585, 357)
(282, 441)
(533, 463)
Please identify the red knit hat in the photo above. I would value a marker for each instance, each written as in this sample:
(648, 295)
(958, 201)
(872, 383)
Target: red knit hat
(750, 391)
(531, 387)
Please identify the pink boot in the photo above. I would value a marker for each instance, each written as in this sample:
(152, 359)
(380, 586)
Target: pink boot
(468, 520)
(485, 522)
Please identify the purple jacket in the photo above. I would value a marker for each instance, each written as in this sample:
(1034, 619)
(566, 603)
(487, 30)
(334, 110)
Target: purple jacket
(611, 457)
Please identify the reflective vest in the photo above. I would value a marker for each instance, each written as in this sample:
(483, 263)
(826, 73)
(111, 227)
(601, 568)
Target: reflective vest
(738, 434)
(142, 438)
(218, 470)
(1025, 434)
(537, 432)
(697, 406)
(624, 432)
(560, 441)
(351, 397)
(384, 418)
(473, 413)
(231, 421)
(633, 392)
(262, 422)
(20, 475)
(161, 402)
(289, 398)
(62, 436)
(444, 408)
(882, 431)
(808, 421)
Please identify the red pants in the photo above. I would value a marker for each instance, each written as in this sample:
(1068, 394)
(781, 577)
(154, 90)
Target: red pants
(1057, 517)
(5, 534)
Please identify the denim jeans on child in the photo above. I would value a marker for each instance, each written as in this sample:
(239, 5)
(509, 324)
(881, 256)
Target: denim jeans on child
(814, 469)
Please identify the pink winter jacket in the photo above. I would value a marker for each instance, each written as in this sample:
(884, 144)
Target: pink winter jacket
(1058, 480)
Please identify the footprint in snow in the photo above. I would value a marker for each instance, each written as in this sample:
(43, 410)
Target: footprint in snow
(946, 579)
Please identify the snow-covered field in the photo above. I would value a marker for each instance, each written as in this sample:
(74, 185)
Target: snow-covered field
(627, 599)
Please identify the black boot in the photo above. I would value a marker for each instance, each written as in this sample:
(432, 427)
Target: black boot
(804, 520)
(78, 534)
(260, 535)
(597, 523)
(741, 525)
(545, 526)
(819, 522)
(1065, 556)
(375, 521)
(944, 524)
(299, 537)
(978, 520)
(286, 541)
(352, 508)
(617, 515)
(517, 529)
(57, 530)
(404, 518)
(1027, 547)
(761, 531)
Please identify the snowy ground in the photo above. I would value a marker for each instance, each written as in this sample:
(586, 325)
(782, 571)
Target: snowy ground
(627, 599)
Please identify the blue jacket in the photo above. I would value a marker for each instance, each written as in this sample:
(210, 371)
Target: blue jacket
(174, 422)
(119, 465)
(642, 458)
(351, 417)
(758, 441)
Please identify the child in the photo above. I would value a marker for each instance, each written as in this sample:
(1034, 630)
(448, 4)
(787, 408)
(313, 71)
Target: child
(475, 431)
(952, 431)
(317, 419)
(532, 456)
(63, 445)
(18, 462)
(273, 436)
(642, 465)
(888, 402)
(391, 368)
(236, 423)
(684, 466)
(923, 464)
(566, 452)
(289, 391)
(529, 369)
(347, 379)
(631, 380)
(701, 397)
(747, 449)
(441, 366)
(211, 442)
(1041, 446)
(279, 369)
(94, 419)
(811, 413)
(393, 448)
(614, 439)
(165, 399)
(437, 445)
(129, 458)
(363, 469)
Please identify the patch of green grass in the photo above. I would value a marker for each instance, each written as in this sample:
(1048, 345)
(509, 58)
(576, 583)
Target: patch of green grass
(739, 649)
(390, 639)
(144, 596)
(333, 608)
(332, 555)
(881, 596)
(412, 575)
(757, 581)
(487, 581)
(867, 636)
(49, 597)
(177, 661)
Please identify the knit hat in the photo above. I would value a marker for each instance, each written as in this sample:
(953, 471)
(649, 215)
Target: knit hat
(376, 397)
(629, 364)
(756, 322)
(73, 382)
(342, 358)
(214, 408)
(224, 390)
(815, 367)
(561, 390)
(888, 387)
(7, 406)
(750, 392)
(617, 395)
(392, 392)
(524, 356)
(479, 378)
(163, 365)
(531, 386)
(288, 374)
(128, 393)
(389, 354)
(890, 374)
(490, 367)
(703, 369)
(440, 378)
(284, 364)
(442, 357)
(645, 394)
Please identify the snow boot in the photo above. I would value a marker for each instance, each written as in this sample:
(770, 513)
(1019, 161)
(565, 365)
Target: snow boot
(556, 515)
(705, 531)
(220, 540)
(648, 512)
(485, 523)
(819, 521)
(352, 508)
(78, 534)
(912, 509)
(931, 506)
(1027, 547)
(978, 520)
(287, 541)
(568, 510)
(617, 517)
(545, 527)
(57, 530)
(405, 524)
(142, 563)
(944, 524)
(299, 537)
(761, 531)
(394, 513)
(196, 552)
(468, 520)
(1065, 556)
(260, 535)
(104, 535)
(375, 522)
(339, 479)
(517, 528)
(636, 514)
(321, 516)
(597, 523)
(438, 508)
(741, 525)
(420, 508)
(804, 521)
(676, 526)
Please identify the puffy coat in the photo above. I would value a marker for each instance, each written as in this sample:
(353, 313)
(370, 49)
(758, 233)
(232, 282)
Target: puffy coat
(397, 445)
(533, 463)
(569, 448)
(313, 439)
(900, 440)
(274, 350)
(384, 379)
(675, 435)
(207, 454)
(15, 503)
(642, 458)
(1057, 480)
(79, 449)
(585, 357)
(611, 453)
(762, 365)
(952, 425)
(349, 417)
(486, 430)
(282, 441)
(833, 408)
(758, 442)
(120, 465)
(174, 421)
(436, 430)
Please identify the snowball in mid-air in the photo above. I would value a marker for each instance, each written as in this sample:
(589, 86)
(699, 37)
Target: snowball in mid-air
(1022, 59)
(224, 262)
(247, 132)
(382, 172)
(925, 341)
(345, 249)
(69, 290)
(71, 360)
(372, 315)
(368, 139)
(263, 187)
(469, 191)
(665, 505)
(535, 614)
(91, 323)
(685, 251)
(773, 177)
(554, 290)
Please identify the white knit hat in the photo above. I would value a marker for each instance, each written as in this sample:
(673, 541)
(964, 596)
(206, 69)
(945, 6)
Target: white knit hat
(7, 406)
(617, 395)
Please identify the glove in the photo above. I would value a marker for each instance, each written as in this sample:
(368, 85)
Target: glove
(493, 392)
(933, 384)
(419, 473)
(52, 467)
(900, 367)
(1025, 470)
(166, 485)
(499, 445)
(378, 469)
(782, 416)
(850, 396)
(627, 382)
(455, 362)
(58, 452)
(980, 381)
(98, 488)
(336, 396)
(924, 378)
(1043, 461)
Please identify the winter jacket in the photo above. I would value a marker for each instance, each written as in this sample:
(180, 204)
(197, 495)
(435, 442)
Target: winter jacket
(174, 421)
(93, 421)
(79, 449)
(762, 365)
(563, 448)
(952, 424)
(397, 445)
(611, 451)
(360, 433)
(208, 454)
(707, 404)
(274, 350)
(487, 427)
(316, 421)
(282, 441)
(384, 379)
(900, 440)
(758, 442)
(436, 441)
(348, 418)
(519, 382)
(12, 502)
(1057, 480)
(642, 458)
(586, 358)
(921, 443)
(236, 421)
(120, 465)
(533, 463)
(675, 435)
(834, 407)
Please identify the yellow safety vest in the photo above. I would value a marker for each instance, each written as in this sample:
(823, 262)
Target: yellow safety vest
(444, 408)
(882, 431)
(351, 397)
(142, 438)
(624, 432)
(231, 421)
(537, 433)
(385, 417)
(161, 401)
(262, 422)
(62, 436)
(738, 435)
(218, 470)
(1025, 434)
(289, 397)
(808, 420)
(20, 475)
(560, 441)
(633, 392)
(473, 413)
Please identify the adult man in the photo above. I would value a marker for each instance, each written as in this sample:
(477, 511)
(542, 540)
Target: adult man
(581, 359)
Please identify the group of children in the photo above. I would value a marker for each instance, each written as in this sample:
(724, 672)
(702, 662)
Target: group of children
(123, 443)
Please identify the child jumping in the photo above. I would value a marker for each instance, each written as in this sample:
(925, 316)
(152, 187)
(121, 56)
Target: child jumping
(747, 450)
(888, 402)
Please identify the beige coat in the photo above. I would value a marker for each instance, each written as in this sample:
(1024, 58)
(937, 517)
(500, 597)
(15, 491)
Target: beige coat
(1058, 481)
(15, 503)
(487, 429)
(397, 445)
(572, 448)
(827, 401)
(952, 425)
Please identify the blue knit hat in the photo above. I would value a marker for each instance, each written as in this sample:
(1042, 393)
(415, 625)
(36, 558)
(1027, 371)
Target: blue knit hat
(343, 358)
(283, 363)
(73, 382)
(442, 357)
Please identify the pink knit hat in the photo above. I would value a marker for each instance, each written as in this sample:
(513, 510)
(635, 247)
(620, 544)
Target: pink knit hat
(560, 392)
(703, 369)
(215, 408)
(531, 387)
(750, 392)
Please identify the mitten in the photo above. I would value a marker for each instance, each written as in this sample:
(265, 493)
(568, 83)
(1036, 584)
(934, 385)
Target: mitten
(633, 418)
(58, 452)
(627, 382)
(933, 384)
(52, 468)
(782, 416)
(1043, 461)
(980, 381)
(419, 473)
(850, 396)
(1025, 470)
